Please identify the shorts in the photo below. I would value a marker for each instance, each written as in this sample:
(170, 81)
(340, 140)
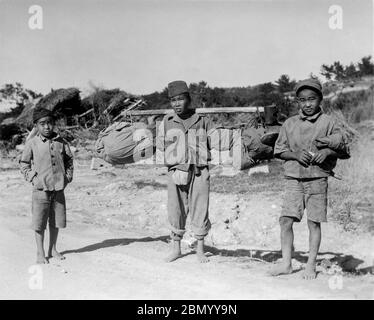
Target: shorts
(309, 194)
(48, 206)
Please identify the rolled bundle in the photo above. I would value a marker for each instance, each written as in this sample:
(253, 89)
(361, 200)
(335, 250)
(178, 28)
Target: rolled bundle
(124, 143)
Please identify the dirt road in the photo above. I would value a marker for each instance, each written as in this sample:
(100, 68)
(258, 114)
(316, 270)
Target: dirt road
(108, 257)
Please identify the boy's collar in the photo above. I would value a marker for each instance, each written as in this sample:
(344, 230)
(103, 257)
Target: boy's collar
(309, 118)
(177, 118)
(195, 117)
(53, 137)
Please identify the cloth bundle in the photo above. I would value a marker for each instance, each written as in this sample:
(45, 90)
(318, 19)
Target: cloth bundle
(124, 143)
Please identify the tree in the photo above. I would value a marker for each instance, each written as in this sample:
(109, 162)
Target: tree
(199, 92)
(285, 84)
(336, 71)
(327, 71)
(339, 72)
(366, 67)
(351, 72)
(267, 94)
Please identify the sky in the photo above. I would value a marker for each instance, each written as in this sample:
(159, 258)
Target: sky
(140, 46)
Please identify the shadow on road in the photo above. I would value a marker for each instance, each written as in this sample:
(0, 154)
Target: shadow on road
(347, 262)
(114, 243)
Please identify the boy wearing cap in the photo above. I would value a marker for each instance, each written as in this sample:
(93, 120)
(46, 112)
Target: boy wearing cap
(186, 139)
(308, 163)
(47, 163)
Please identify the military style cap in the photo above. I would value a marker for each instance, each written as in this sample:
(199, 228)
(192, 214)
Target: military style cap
(309, 83)
(41, 113)
(177, 87)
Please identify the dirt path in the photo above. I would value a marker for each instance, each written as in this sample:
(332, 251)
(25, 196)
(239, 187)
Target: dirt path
(106, 262)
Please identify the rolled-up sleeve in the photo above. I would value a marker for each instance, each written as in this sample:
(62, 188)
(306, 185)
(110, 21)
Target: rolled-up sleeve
(25, 162)
(281, 145)
(339, 140)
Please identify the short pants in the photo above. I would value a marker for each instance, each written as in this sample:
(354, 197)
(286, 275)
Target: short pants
(48, 206)
(309, 194)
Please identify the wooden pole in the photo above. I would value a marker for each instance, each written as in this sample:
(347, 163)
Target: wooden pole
(198, 110)
(87, 112)
(128, 110)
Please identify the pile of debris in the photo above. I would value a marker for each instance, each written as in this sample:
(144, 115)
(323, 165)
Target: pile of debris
(101, 108)
(107, 106)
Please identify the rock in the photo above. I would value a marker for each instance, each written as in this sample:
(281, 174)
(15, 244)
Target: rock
(97, 163)
(326, 263)
(259, 169)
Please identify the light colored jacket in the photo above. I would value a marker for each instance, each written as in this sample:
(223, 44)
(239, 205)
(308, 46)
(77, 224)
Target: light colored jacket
(47, 163)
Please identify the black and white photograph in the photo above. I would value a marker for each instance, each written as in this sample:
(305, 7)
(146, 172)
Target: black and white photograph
(186, 150)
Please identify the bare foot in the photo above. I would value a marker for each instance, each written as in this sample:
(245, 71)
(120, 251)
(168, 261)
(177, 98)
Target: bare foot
(56, 254)
(280, 269)
(41, 259)
(175, 252)
(173, 256)
(310, 272)
(201, 257)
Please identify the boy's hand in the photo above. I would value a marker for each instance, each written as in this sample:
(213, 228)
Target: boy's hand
(69, 178)
(320, 156)
(303, 157)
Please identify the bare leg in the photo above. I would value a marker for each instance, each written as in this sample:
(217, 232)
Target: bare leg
(200, 252)
(52, 251)
(287, 238)
(40, 254)
(175, 252)
(314, 243)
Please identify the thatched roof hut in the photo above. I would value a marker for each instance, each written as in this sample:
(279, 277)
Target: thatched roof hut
(24, 120)
(63, 102)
